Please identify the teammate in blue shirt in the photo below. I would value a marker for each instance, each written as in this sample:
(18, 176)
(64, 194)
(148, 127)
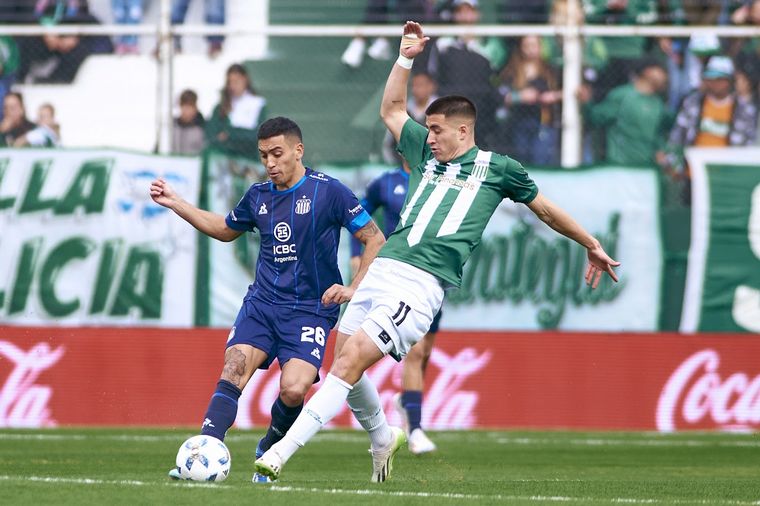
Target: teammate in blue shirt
(388, 193)
(295, 299)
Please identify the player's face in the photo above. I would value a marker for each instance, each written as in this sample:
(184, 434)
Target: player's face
(281, 157)
(447, 136)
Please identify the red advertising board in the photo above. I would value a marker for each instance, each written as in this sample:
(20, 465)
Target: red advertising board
(129, 376)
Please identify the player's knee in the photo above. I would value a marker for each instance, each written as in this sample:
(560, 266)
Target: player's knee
(416, 355)
(293, 394)
(345, 366)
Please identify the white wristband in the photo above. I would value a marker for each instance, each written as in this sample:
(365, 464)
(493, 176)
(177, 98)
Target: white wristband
(405, 62)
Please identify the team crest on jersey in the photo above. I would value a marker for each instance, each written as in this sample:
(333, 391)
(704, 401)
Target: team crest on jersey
(303, 205)
(263, 209)
(480, 171)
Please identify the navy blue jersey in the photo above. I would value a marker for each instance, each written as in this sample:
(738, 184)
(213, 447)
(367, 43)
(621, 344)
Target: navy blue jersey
(387, 191)
(300, 231)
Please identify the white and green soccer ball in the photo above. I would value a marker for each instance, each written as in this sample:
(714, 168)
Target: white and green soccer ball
(203, 458)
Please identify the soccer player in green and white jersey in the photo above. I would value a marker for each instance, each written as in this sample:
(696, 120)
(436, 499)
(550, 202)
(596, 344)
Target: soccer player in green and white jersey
(454, 189)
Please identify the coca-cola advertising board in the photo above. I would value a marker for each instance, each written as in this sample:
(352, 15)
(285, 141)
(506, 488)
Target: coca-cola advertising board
(165, 377)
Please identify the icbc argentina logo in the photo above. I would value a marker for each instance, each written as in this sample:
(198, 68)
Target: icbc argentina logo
(698, 395)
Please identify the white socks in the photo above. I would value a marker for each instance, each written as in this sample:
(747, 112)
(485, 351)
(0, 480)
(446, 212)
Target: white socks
(320, 409)
(364, 401)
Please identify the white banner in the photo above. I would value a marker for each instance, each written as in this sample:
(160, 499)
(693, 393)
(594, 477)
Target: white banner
(525, 276)
(82, 243)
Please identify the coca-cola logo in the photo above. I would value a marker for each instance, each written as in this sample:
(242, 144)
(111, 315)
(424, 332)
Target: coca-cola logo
(447, 404)
(696, 396)
(22, 402)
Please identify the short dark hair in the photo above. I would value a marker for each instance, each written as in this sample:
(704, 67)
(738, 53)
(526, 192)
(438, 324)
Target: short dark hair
(188, 97)
(279, 126)
(646, 63)
(453, 105)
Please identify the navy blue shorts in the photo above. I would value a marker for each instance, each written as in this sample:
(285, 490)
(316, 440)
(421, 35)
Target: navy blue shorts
(436, 322)
(281, 332)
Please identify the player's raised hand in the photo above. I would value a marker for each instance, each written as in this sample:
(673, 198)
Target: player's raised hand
(413, 42)
(598, 263)
(162, 193)
(337, 294)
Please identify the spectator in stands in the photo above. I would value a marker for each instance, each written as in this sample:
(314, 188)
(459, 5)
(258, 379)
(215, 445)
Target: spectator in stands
(215, 15)
(466, 65)
(623, 52)
(46, 134)
(382, 12)
(633, 116)
(714, 116)
(8, 65)
(233, 124)
(187, 136)
(531, 91)
(15, 123)
(423, 93)
(127, 12)
(57, 58)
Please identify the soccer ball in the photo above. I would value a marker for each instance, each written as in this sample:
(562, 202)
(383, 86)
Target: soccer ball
(203, 458)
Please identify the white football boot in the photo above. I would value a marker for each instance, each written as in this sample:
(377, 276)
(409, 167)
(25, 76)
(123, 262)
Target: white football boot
(382, 460)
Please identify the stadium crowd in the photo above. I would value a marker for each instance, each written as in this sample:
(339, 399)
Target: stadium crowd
(644, 99)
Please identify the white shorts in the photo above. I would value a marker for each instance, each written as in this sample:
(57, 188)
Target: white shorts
(394, 304)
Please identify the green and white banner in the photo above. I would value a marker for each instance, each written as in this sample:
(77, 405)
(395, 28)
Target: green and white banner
(723, 279)
(526, 276)
(82, 243)
(523, 276)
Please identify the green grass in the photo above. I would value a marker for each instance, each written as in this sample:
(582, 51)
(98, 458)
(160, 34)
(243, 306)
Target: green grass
(111, 467)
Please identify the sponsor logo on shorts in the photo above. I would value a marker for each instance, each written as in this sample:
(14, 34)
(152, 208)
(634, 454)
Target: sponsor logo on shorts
(384, 337)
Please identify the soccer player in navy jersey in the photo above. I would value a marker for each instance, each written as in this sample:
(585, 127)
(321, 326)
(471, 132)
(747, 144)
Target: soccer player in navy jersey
(388, 192)
(295, 299)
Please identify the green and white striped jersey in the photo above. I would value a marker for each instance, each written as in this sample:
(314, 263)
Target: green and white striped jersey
(448, 205)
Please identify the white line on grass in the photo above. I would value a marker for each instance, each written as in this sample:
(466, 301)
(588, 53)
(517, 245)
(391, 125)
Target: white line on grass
(381, 493)
(359, 437)
(658, 441)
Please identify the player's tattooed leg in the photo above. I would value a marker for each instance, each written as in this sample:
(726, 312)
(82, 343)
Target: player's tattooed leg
(234, 366)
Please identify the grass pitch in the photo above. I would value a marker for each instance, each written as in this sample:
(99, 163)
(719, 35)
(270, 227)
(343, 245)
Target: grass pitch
(111, 467)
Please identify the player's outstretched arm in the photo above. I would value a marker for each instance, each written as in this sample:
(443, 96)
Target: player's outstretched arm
(558, 219)
(393, 107)
(211, 224)
(373, 239)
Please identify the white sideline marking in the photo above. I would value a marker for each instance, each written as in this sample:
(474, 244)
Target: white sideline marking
(359, 437)
(382, 493)
(626, 442)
